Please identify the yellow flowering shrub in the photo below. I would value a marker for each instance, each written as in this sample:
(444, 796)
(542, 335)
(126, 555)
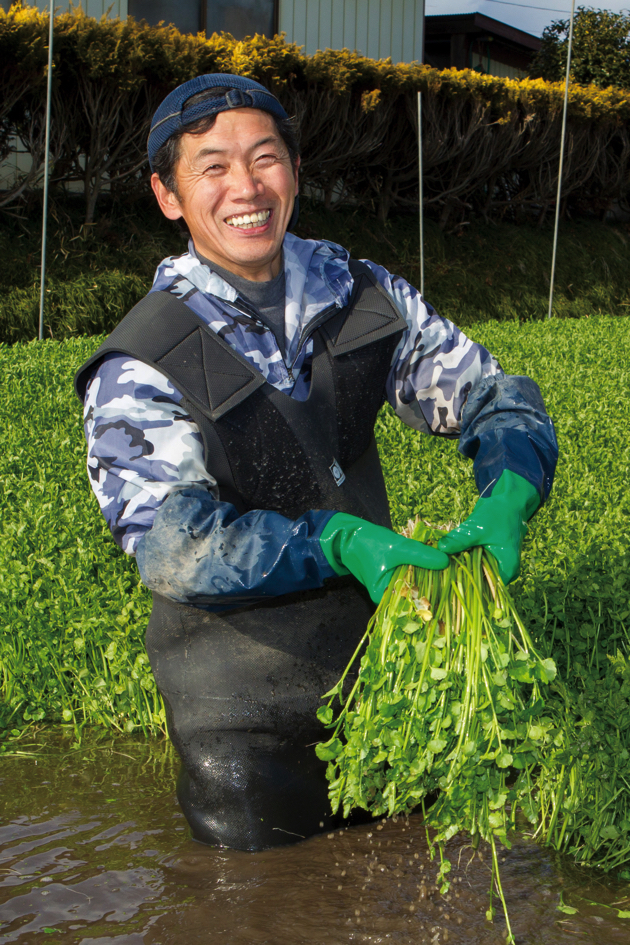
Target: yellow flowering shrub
(491, 144)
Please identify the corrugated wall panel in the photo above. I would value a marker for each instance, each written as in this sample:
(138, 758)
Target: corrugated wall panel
(385, 31)
(337, 26)
(96, 8)
(349, 24)
(411, 31)
(312, 26)
(371, 16)
(296, 31)
(325, 33)
(398, 8)
(287, 26)
(361, 36)
(376, 28)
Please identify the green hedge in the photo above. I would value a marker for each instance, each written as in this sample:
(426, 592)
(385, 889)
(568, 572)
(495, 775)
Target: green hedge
(489, 272)
(491, 145)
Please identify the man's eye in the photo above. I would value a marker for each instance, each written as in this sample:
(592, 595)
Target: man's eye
(213, 168)
(266, 158)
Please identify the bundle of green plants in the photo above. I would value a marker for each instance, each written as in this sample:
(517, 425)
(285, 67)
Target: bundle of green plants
(449, 700)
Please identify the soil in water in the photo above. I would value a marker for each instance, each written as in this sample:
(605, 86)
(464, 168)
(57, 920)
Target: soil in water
(94, 851)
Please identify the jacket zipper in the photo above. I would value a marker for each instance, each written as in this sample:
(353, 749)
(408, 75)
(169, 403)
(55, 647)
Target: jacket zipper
(306, 334)
(310, 329)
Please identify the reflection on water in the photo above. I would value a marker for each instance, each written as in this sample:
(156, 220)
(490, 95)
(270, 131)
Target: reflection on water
(94, 851)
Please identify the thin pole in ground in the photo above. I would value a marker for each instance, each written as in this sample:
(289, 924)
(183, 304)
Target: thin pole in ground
(46, 170)
(559, 191)
(420, 177)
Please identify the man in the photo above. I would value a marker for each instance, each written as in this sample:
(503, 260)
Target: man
(229, 420)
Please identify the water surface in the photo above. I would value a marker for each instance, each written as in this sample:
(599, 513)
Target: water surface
(94, 851)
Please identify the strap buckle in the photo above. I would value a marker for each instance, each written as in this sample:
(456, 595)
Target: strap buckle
(237, 98)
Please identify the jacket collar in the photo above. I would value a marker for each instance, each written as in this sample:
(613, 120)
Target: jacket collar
(316, 277)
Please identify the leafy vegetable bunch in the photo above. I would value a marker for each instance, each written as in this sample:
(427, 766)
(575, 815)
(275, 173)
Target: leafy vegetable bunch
(448, 700)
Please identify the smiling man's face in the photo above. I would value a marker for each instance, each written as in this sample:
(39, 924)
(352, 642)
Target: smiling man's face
(235, 189)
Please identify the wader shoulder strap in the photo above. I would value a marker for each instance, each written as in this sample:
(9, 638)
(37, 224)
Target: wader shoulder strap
(164, 332)
(370, 315)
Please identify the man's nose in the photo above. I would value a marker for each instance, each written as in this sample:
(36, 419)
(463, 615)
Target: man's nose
(245, 183)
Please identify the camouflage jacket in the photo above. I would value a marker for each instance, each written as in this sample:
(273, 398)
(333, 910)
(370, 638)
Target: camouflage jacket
(143, 448)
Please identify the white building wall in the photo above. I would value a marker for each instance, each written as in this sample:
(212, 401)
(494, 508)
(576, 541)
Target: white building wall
(375, 28)
(97, 8)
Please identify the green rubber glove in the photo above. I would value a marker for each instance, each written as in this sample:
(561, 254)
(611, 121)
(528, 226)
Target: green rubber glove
(371, 553)
(498, 523)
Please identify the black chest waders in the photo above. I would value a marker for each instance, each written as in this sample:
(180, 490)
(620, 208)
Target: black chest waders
(242, 688)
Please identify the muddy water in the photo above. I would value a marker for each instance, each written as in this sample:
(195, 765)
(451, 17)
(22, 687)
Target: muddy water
(94, 851)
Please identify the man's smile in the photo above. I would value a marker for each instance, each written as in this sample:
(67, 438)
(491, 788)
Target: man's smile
(248, 221)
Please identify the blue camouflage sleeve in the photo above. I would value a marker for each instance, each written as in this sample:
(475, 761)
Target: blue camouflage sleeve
(443, 383)
(144, 449)
(142, 445)
(200, 551)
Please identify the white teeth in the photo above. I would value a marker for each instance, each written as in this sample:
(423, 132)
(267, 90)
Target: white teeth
(249, 219)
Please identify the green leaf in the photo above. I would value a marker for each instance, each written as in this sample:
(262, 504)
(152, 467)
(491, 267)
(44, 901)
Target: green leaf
(110, 652)
(504, 760)
(438, 673)
(546, 671)
(420, 648)
(521, 672)
(325, 714)
(568, 910)
(335, 691)
(436, 745)
(328, 751)
(411, 627)
(609, 833)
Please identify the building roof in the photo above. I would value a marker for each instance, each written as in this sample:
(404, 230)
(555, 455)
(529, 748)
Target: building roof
(480, 23)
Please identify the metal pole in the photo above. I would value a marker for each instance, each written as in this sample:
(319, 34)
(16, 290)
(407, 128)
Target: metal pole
(559, 191)
(46, 169)
(420, 176)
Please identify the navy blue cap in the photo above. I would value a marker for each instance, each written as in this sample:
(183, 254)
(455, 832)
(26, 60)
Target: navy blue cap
(225, 91)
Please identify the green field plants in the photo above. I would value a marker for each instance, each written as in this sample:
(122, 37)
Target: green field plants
(74, 612)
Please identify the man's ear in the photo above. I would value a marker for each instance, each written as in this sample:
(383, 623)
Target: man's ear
(169, 204)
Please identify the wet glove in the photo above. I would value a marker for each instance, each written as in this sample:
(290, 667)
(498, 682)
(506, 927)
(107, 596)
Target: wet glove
(370, 552)
(498, 523)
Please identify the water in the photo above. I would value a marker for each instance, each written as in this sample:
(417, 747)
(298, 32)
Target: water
(94, 851)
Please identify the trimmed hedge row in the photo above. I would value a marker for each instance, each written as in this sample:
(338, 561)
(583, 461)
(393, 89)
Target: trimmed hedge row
(491, 145)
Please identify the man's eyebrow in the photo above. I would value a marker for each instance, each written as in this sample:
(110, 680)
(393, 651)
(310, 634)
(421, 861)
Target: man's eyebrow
(206, 152)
